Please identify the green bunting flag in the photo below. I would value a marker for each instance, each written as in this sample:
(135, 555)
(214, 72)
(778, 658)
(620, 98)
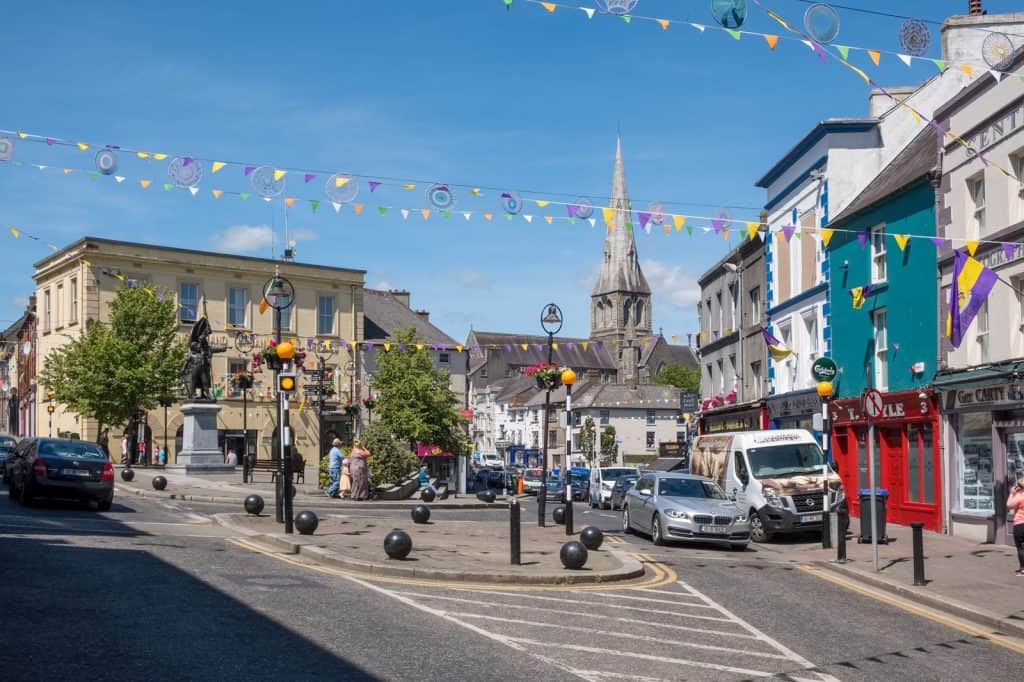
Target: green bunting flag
(689, 230)
(244, 195)
(94, 174)
(941, 64)
(626, 18)
(382, 210)
(446, 214)
(314, 204)
(734, 33)
(844, 51)
(168, 187)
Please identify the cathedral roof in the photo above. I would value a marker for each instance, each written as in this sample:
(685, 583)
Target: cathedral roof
(571, 352)
(620, 269)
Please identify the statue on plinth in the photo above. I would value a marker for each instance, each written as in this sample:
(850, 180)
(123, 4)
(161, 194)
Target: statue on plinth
(197, 371)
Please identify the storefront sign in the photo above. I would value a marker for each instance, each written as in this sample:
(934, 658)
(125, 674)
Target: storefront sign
(794, 405)
(824, 369)
(986, 396)
(689, 402)
(748, 420)
(895, 406)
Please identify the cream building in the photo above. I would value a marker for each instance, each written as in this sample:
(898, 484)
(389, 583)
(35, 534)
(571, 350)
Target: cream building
(76, 285)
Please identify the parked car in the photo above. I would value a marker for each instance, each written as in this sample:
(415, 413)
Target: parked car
(671, 506)
(7, 444)
(531, 481)
(619, 490)
(59, 468)
(555, 490)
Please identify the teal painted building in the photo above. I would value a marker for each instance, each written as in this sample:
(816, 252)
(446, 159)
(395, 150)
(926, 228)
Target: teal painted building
(890, 342)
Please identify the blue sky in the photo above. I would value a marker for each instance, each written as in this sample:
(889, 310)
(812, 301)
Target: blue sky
(452, 91)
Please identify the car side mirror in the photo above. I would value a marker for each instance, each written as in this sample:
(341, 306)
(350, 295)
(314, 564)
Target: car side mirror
(732, 495)
(645, 492)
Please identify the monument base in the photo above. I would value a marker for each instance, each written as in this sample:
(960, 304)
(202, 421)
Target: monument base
(200, 452)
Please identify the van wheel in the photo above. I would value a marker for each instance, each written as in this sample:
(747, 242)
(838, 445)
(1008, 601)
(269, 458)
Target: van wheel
(656, 537)
(758, 533)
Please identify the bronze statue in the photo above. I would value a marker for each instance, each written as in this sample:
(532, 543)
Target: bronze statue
(197, 372)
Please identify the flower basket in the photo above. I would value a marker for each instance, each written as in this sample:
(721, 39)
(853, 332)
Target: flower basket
(240, 381)
(369, 403)
(351, 409)
(547, 375)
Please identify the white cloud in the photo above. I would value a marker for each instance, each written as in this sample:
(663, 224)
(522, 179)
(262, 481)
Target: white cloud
(303, 234)
(242, 238)
(382, 285)
(474, 279)
(672, 283)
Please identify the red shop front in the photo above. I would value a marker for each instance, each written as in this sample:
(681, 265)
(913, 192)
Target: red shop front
(906, 455)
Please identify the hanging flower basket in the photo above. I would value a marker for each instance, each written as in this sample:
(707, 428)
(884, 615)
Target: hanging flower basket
(241, 381)
(369, 403)
(351, 409)
(547, 375)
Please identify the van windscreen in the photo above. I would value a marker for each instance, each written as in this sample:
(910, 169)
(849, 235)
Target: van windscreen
(785, 460)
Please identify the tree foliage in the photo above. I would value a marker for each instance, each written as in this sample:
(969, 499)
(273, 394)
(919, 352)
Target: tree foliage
(687, 379)
(609, 448)
(588, 438)
(414, 399)
(390, 460)
(121, 367)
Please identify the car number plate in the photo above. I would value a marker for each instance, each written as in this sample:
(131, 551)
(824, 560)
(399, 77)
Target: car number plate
(812, 518)
(75, 472)
(713, 529)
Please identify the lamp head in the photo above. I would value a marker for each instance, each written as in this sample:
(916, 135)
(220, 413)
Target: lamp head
(825, 389)
(551, 319)
(568, 377)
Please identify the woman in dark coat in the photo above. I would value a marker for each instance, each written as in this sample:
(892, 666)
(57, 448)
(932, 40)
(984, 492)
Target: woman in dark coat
(360, 474)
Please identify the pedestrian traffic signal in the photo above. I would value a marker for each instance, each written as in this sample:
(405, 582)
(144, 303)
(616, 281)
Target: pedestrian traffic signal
(286, 382)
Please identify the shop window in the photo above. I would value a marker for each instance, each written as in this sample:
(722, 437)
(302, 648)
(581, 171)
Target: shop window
(920, 464)
(755, 305)
(974, 463)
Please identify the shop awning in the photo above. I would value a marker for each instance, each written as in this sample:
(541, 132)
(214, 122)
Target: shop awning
(979, 376)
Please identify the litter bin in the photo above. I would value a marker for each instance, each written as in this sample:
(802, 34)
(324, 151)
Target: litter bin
(881, 498)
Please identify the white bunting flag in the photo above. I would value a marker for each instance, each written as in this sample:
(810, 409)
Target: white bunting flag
(405, 214)
(589, 11)
(467, 214)
(194, 190)
(528, 218)
(592, 221)
(336, 205)
(699, 27)
(905, 58)
(998, 75)
(119, 178)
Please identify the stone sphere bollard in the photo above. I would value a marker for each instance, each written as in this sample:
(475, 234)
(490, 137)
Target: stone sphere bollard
(428, 495)
(591, 537)
(486, 496)
(253, 505)
(306, 521)
(420, 513)
(397, 544)
(573, 555)
(127, 474)
(559, 515)
(159, 482)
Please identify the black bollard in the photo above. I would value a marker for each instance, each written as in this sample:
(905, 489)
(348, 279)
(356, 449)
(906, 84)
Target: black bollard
(919, 580)
(306, 521)
(253, 505)
(568, 510)
(397, 544)
(420, 513)
(558, 515)
(159, 482)
(841, 540)
(127, 474)
(591, 537)
(513, 522)
(573, 555)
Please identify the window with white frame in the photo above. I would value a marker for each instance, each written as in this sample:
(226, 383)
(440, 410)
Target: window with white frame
(786, 376)
(721, 313)
(734, 306)
(650, 439)
(188, 302)
(58, 319)
(650, 417)
(878, 250)
(981, 325)
(881, 349)
(238, 300)
(1017, 196)
(976, 192)
(47, 312)
(810, 320)
(73, 299)
(755, 305)
(605, 417)
(324, 315)
(755, 379)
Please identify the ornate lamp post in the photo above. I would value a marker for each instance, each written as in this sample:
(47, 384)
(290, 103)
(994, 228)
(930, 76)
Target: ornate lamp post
(369, 398)
(279, 295)
(568, 379)
(825, 393)
(551, 323)
(50, 409)
(244, 345)
(353, 395)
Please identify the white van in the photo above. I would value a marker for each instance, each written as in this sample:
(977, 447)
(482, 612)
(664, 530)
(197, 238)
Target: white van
(775, 475)
(602, 479)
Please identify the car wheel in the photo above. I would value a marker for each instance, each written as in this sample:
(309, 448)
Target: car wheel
(104, 505)
(758, 533)
(25, 495)
(656, 536)
(626, 528)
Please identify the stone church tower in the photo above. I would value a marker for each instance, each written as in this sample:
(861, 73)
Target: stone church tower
(620, 303)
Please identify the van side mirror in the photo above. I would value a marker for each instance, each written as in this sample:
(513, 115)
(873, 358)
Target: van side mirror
(646, 492)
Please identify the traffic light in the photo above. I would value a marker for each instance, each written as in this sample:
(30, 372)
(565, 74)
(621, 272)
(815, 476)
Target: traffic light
(286, 383)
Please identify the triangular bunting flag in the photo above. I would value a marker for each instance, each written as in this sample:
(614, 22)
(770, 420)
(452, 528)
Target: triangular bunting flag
(308, 176)
(336, 205)
(548, 219)
(278, 174)
(626, 18)
(826, 235)
(717, 224)
(549, 6)
(314, 204)
(844, 52)
(689, 230)
(771, 40)
(289, 201)
(488, 216)
(734, 33)
(466, 214)
(119, 178)
(589, 11)
(541, 203)
(341, 182)
(446, 214)
(905, 58)
(972, 246)
(968, 69)
(664, 23)
(901, 240)
(217, 165)
(699, 27)
(374, 184)
(1009, 249)
(358, 208)
(82, 145)
(248, 170)
(787, 231)
(725, 234)
(679, 221)
(159, 157)
(998, 75)
(382, 210)
(528, 218)
(194, 190)
(409, 186)
(940, 64)
(15, 232)
(862, 239)
(875, 56)
(425, 212)
(405, 213)
(244, 195)
(609, 216)
(752, 230)
(145, 183)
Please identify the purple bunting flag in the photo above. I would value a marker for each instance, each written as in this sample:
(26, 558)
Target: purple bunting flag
(1008, 250)
(249, 169)
(938, 241)
(373, 185)
(644, 217)
(718, 224)
(572, 208)
(308, 176)
(862, 239)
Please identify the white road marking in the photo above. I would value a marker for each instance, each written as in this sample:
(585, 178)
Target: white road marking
(610, 594)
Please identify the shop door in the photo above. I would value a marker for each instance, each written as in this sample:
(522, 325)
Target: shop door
(1013, 440)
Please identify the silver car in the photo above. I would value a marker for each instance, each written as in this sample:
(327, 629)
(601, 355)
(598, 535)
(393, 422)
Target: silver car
(671, 506)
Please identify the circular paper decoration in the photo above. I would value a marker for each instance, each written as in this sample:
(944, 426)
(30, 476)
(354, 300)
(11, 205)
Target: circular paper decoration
(264, 184)
(616, 6)
(657, 211)
(915, 38)
(6, 148)
(821, 21)
(511, 203)
(997, 50)
(584, 209)
(106, 162)
(729, 13)
(341, 188)
(440, 196)
(185, 175)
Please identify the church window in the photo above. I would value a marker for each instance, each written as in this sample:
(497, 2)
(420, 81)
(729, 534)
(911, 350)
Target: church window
(625, 311)
(639, 313)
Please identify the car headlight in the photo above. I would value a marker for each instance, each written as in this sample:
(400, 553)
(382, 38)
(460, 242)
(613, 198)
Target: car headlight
(677, 514)
(741, 518)
(772, 499)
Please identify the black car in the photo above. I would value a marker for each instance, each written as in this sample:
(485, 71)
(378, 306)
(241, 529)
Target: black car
(59, 468)
(619, 490)
(7, 444)
(555, 490)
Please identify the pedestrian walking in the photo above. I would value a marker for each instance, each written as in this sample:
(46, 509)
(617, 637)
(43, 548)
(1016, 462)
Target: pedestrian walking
(360, 474)
(334, 459)
(125, 459)
(346, 478)
(163, 456)
(424, 479)
(231, 459)
(1016, 505)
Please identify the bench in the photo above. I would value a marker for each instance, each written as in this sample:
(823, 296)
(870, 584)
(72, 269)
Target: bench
(298, 468)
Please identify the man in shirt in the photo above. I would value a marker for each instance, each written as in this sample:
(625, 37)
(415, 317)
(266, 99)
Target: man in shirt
(334, 467)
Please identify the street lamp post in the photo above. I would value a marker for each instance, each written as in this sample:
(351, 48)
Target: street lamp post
(279, 295)
(369, 398)
(165, 402)
(825, 393)
(244, 344)
(568, 378)
(50, 409)
(353, 395)
(551, 323)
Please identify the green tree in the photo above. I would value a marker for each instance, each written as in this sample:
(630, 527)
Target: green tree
(609, 448)
(588, 436)
(686, 379)
(414, 399)
(121, 367)
(390, 460)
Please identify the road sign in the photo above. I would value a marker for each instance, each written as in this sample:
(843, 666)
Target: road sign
(873, 404)
(689, 402)
(824, 369)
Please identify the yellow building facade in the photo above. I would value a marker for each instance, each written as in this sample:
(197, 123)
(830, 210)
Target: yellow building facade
(75, 286)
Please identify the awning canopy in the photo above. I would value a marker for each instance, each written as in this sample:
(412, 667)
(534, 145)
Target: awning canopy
(951, 380)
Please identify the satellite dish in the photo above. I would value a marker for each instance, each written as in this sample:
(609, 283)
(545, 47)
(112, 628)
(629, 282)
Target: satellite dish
(341, 188)
(997, 50)
(915, 38)
(264, 184)
(619, 7)
(821, 21)
(6, 148)
(729, 13)
(441, 196)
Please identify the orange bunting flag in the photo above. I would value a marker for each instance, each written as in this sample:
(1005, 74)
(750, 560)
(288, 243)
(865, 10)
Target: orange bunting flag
(752, 230)
(902, 240)
(668, 229)
(972, 246)
(679, 221)
(772, 41)
(609, 216)
(826, 235)
(488, 216)
(875, 56)
(82, 145)
(548, 219)
(664, 24)
(425, 212)
(968, 69)
(725, 234)
(288, 201)
(217, 193)
(263, 306)
(358, 208)
(145, 183)
(549, 6)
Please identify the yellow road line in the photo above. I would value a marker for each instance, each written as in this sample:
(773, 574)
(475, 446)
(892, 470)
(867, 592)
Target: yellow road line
(663, 575)
(955, 623)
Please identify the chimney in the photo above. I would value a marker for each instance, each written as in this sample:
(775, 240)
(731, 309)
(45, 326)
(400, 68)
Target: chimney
(402, 295)
(423, 314)
(975, 9)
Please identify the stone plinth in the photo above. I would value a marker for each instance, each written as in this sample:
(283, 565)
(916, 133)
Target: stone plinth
(200, 452)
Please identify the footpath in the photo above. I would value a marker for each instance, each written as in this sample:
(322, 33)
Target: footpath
(229, 489)
(442, 549)
(965, 579)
